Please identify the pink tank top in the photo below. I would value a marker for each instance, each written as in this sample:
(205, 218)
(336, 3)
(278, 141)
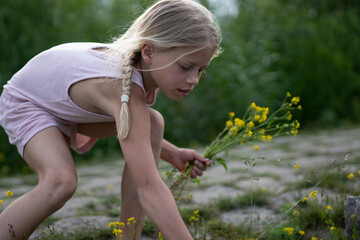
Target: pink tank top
(45, 80)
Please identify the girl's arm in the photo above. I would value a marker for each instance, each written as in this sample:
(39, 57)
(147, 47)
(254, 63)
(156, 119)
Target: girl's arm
(155, 197)
(179, 156)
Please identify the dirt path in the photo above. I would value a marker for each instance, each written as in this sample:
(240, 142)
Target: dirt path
(96, 201)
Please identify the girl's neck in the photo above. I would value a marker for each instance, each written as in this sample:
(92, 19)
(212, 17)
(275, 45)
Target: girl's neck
(149, 84)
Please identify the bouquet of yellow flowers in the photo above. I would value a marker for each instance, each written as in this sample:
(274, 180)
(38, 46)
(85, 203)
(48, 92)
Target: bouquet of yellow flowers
(255, 126)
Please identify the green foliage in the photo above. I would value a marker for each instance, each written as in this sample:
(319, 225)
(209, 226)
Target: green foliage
(309, 48)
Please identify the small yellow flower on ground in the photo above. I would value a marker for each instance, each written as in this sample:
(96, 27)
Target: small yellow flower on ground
(231, 114)
(111, 224)
(290, 231)
(288, 94)
(296, 166)
(313, 238)
(161, 236)
(359, 172)
(196, 212)
(332, 228)
(304, 199)
(257, 117)
(256, 147)
(313, 194)
(263, 137)
(1, 202)
(9, 194)
(350, 176)
(164, 173)
(301, 232)
(117, 232)
(269, 137)
(250, 133)
(229, 123)
(299, 107)
(328, 207)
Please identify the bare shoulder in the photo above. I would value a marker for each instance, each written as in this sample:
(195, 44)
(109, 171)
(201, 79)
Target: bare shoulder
(101, 95)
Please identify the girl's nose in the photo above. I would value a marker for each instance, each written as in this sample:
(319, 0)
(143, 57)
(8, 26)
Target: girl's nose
(194, 78)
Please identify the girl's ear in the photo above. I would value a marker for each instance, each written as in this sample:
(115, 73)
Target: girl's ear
(147, 52)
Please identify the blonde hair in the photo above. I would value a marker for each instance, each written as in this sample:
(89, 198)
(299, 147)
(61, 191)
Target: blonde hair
(165, 25)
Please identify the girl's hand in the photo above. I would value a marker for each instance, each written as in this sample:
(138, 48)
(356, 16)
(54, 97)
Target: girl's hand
(185, 155)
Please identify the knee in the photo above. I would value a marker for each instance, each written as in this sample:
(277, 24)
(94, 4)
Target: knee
(157, 122)
(59, 188)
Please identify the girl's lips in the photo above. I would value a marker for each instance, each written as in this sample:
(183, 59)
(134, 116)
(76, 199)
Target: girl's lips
(183, 92)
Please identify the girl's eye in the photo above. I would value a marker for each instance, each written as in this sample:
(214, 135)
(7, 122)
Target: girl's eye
(185, 68)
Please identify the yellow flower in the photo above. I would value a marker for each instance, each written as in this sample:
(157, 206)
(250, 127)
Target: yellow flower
(295, 100)
(304, 199)
(257, 117)
(196, 212)
(263, 137)
(313, 238)
(269, 137)
(301, 232)
(161, 236)
(294, 132)
(111, 224)
(256, 147)
(9, 194)
(332, 228)
(289, 230)
(289, 116)
(288, 94)
(253, 105)
(262, 131)
(229, 123)
(251, 124)
(239, 122)
(328, 207)
(117, 231)
(234, 130)
(164, 173)
(296, 166)
(250, 133)
(231, 114)
(299, 107)
(297, 124)
(350, 176)
(359, 172)
(313, 194)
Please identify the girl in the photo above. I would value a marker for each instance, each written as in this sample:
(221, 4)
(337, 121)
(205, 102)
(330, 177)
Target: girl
(74, 93)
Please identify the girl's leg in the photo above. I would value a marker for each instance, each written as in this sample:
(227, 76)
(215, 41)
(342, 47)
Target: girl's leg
(48, 154)
(130, 205)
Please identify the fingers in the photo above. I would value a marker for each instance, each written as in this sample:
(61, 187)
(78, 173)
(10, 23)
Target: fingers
(201, 159)
(199, 167)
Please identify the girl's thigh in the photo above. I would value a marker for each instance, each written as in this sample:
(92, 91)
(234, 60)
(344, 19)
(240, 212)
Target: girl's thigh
(47, 152)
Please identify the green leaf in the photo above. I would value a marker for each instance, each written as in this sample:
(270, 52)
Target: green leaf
(222, 162)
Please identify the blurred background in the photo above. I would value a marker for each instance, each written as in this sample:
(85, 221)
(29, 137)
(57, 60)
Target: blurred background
(309, 48)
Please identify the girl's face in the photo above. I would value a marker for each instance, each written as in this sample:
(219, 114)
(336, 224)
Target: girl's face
(179, 78)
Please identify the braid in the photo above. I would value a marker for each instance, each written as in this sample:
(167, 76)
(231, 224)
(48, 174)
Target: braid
(127, 69)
